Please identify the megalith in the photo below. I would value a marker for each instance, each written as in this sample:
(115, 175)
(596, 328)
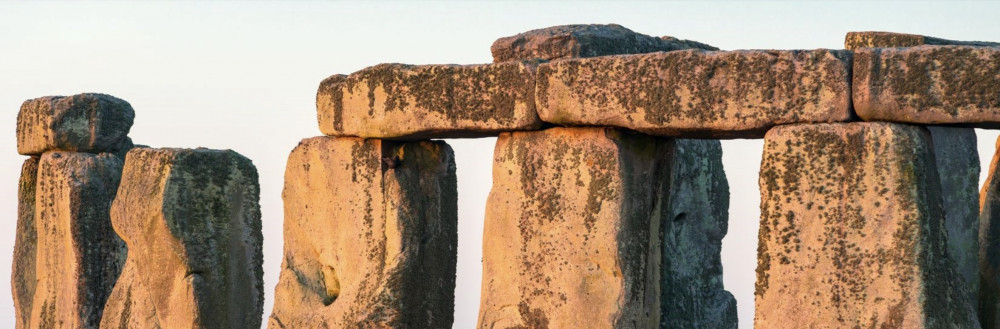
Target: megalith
(370, 235)
(191, 220)
(25, 250)
(852, 231)
(79, 123)
(571, 238)
(583, 40)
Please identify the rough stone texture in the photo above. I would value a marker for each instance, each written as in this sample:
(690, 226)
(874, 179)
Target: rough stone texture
(957, 160)
(852, 231)
(82, 123)
(585, 40)
(698, 217)
(370, 235)
(928, 85)
(989, 244)
(873, 39)
(23, 265)
(191, 221)
(67, 256)
(429, 101)
(572, 230)
(693, 93)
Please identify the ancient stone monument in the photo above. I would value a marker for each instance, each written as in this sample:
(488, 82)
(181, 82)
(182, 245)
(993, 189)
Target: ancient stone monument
(608, 206)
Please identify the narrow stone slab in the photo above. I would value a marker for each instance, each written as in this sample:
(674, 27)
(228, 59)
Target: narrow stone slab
(875, 39)
(23, 278)
(852, 231)
(692, 294)
(989, 244)
(81, 123)
(572, 230)
(583, 40)
(64, 273)
(370, 235)
(191, 220)
(429, 101)
(928, 85)
(691, 93)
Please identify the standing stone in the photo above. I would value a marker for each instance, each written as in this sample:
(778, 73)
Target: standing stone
(75, 254)
(572, 229)
(590, 40)
(696, 93)
(852, 231)
(191, 221)
(23, 278)
(957, 162)
(370, 235)
(989, 244)
(928, 85)
(429, 101)
(80, 123)
(698, 217)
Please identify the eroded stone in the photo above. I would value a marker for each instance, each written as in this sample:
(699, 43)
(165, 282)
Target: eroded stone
(81, 123)
(65, 272)
(572, 229)
(852, 231)
(694, 93)
(191, 220)
(875, 39)
(928, 85)
(429, 101)
(989, 244)
(583, 40)
(370, 235)
(693, 295)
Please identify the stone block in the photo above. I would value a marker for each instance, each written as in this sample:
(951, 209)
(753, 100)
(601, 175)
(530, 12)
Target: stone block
(584, 40)
(81, 123)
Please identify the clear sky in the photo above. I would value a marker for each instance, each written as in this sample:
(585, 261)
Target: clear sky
(244, 75)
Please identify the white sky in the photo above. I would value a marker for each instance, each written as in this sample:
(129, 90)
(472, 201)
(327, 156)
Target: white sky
(244, 76)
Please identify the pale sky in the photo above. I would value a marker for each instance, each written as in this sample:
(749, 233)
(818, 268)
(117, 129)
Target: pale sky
(243, 76)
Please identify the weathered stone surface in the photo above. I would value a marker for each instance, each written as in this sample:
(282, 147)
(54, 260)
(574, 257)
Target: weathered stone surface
(852, 231)
(572, 230)
(67, 256)
(957, 161)
(693, 93)
(429, 101)
(989, 244)
(928, 85)
(370, 235)
(874, 39)
(698, 217)
(23, 278)
(584, 40)
(191, 221)
(82, 123)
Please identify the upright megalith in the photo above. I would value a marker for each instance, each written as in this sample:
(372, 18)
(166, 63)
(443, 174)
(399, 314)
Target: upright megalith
(191, 220)
(23, 266)
(583, 40)
(697, 93)
(852, 231)
(79, 123)
(75, 254)
(697, 218)
(572, 229)
(989, 244)
(370, 235)
(429, 101)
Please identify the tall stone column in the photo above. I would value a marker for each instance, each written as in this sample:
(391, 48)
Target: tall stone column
(852, 231)
(23, 277)
(191, 220)
(989, 243)
(572, 229)
(370, 235)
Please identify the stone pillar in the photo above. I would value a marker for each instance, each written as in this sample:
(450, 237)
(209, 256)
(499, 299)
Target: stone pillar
(572, 229)
(698, 217)
(370, 235)
(989, 244)
(191, 221)
(23, 278)
(852, 231)
(76, 254)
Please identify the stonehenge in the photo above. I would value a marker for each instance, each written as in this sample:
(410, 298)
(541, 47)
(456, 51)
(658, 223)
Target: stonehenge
(608, 206)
